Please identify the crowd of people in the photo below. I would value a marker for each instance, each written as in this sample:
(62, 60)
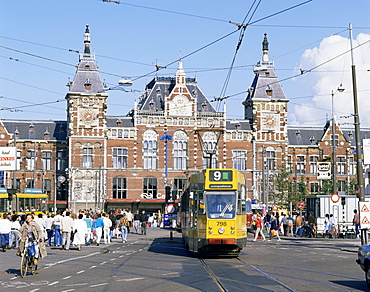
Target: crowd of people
(65, 229)
(275, 225)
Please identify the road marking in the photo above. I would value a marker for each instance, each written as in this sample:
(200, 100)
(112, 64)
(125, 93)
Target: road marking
(127, 280)
(79, 272)
(92, 267)
(71, 259)
(113, 259)
(343, 257)
(68, 290)
(65, 278)
(13, 278)
(97, 285)
(170, 273)
(34, 290)
(103, 263)
(121, 256)
(56, 282)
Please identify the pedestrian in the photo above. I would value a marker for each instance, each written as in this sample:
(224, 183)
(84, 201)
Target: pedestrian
(298, 225)
(312, 223)
(88, 222)
(267, 222)
(284, 224)
(5, 229)
(66, 229)
(290, 225)
(41, 222)
(98, 228)
(327, 225)
(143, 222)
(332, 226)
(122, 225)
(49, 228)
(58, 240)
(80, 231)
(274, 228)
(356, 221)
(137, 221)
(129, 217)
(14, 233)
(259, 226)
(107, 225)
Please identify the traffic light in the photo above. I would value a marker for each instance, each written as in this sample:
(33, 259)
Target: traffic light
(168, 193)
(11, 192)
(343, 201)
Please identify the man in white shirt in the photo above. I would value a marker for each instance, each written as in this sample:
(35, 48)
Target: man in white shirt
(58, 240)
(107, 225)
(5, 228)
(66, 227)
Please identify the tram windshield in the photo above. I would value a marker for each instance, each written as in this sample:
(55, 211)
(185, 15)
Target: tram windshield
(220, 205)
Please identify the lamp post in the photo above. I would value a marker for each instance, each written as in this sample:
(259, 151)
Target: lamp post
(333, 144)
(360, 175)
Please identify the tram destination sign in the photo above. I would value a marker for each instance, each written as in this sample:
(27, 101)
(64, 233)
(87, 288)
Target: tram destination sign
(220, 175)
(220, 186)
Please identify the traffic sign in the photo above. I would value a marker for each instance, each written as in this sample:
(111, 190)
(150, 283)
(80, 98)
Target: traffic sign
(364, 208)
(300, 205)
(335, 198)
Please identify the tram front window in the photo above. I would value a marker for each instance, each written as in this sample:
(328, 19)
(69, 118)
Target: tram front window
(220, 205)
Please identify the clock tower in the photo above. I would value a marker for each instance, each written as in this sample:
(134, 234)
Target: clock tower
(86, 118)
(266, 105)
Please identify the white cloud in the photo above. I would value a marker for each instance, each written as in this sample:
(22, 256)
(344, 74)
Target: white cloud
(326, 78)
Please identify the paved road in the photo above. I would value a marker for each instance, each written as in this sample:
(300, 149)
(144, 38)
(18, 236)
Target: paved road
(157, 263)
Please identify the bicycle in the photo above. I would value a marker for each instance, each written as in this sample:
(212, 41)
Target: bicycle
(27, 261)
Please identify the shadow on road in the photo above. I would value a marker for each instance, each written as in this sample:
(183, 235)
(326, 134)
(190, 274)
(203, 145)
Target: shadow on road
(355, 284)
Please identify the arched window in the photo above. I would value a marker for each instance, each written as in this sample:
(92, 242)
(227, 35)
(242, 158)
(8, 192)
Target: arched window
(180, 149)
(150, 149)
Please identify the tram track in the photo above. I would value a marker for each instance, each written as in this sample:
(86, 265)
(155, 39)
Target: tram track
(213, 275)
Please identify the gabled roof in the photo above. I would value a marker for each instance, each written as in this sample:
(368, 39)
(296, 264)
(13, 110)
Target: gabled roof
(242, 125)
(37, 130)
(126, 122)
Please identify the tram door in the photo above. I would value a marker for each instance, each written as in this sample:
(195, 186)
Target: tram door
(193, 222)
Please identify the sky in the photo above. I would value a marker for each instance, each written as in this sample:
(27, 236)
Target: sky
(39, 41)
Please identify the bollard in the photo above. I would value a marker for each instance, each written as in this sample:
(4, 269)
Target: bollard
(171, 235)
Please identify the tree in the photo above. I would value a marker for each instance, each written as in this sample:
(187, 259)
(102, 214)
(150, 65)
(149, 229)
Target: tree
(282, 184)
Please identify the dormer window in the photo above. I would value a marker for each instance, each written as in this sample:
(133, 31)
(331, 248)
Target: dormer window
(204, 106)
(31, 127)
(151, 105)
(46, 134)
(237, 127)
(350, 135)
(269, 90)
(87, 85)
(313, 140)
(298, 133)
(119, 123)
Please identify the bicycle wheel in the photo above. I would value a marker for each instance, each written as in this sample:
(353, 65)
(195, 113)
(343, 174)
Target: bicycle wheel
(24, 264)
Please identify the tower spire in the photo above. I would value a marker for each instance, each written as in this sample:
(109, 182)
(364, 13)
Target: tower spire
(265, 49)
(87, 40)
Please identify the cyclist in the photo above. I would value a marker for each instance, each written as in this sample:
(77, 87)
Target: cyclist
(32, 230)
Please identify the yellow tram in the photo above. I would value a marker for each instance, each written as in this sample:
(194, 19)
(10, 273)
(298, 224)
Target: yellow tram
(21, 203)
(213, 212)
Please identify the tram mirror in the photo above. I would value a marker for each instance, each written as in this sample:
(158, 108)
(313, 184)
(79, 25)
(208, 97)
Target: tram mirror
(191, 195)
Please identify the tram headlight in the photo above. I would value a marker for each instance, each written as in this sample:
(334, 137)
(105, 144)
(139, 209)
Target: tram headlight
(209, 227)
(210, 232)
(232, 227)
(232, 231)
(221, 230)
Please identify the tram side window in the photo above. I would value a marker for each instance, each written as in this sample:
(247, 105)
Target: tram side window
(241, 203)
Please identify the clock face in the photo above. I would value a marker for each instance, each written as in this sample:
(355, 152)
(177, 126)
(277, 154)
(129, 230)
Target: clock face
(88, 117)
(180, 106)
(269, 122)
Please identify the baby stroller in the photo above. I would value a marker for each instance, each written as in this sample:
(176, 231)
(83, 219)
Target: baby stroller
(307, 231)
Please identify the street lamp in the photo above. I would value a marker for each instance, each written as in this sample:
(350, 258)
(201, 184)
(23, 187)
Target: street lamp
(334, 146)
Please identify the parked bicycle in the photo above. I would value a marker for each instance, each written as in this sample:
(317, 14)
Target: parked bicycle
(29, 260)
